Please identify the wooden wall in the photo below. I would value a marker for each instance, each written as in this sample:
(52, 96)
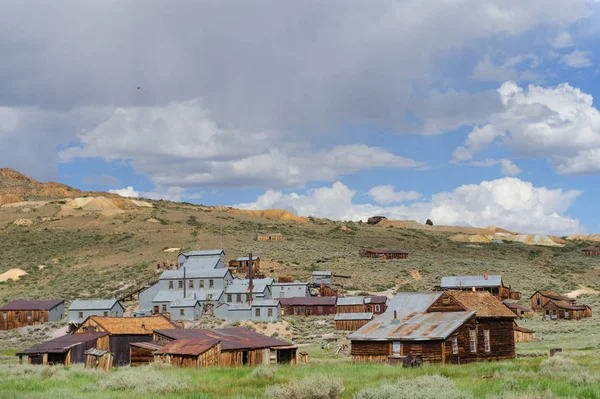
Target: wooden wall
(561, 313)
(350, 325)
(119, 347)
(268, 237)
(521, 336)
(140, 356)
(370, 351)
(297, 310)
(21, 318)
(234, 358)
(211, 357)
(104, 362)
(350, 309)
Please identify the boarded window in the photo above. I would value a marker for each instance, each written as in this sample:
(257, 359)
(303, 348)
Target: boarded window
(377, 308)
(105, 314)
(473, 340)
(81, 315)
(180, 284)
(164, 308)
(211, 283)
(191, 284)
(270, 312)
(171, 285)
(5, 315)
(257, 312)
(397, 348)
(454, 345)
(228, 298)
(181, 312)
(486, 340)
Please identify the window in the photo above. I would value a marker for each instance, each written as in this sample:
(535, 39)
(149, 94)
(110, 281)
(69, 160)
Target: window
(81, 315)
(539, 302)
(5, 315)
(301, 309)
(171, 285)
(164, 308)
(228, 298)
(486, 340)
(200, 283)
(29, 315)
(282, 294)
(211, 283)
(377, 308)
(396, 348)
(238, 298)
(473, 340)
(257, 312)
(181, 312)
(17, 315)
(566, 314)
(454, 345)
(180, 284)
(105, 314)
(270, 312)
(191, 285)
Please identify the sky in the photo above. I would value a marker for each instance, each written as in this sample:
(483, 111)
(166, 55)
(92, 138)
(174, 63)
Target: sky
(466, 112)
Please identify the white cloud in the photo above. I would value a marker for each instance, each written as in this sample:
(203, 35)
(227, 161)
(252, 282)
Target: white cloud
(508, 202)
(558, 123)
(563, 40)
(577, 59)
(508, 168)
(386, 195)
(128, 192)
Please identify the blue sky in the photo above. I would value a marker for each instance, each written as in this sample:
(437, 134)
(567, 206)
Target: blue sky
(468, 112)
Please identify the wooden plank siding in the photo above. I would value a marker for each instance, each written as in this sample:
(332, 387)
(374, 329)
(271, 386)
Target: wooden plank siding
(350, 325)
(10, 319)
(140, 356)
(212, 357)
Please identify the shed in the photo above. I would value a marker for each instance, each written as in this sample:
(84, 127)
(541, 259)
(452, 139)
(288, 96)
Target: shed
(351, 321)
(360, 304)
(241, 264)
(142, 353)
(517, 309)
(593, 251)
(66, 350)
(384, 253)
(82, 309)
(269, 237)
(20, 313)
(541, 298)
(523, 334)
(99, 359)
(308, 306)
(190, 353)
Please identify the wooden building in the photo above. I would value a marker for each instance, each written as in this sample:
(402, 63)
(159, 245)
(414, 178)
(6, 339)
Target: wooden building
(485, 282)
(122, 331)
(593, 251)
(562, 310)
(384, 253)
(142, 353)
(351, 321)
(269, 237)
(99, 359)
(193, 353)
(520, 311)
(21, 313)
(242, 263)
(66, 350)
(308, 306)
(361, 304)
(523, 334)
(238, 346)
(540, 299)
(441, 327)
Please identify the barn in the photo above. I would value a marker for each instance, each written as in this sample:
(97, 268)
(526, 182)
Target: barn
(22, 313)
(65, 350)
(351, 321)
(308, 306)
(384, 253)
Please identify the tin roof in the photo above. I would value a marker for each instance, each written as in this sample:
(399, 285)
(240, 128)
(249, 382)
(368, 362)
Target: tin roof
(93, 304)
(147, 345)
(376, 299)
(192, 273)
(269, 234)
(204, 252)
(308, 301)
(289, 284)
(192, 347)
(353, 316)
(20, 304)
(167, 296)
(483, 303)
(350, 301)
(184, 303)
(240, 285)
(130, 325)
(204, 262)
(243, 258)
(471, 281)
(265, 302)
(202, 295)
(231, 338)
(386, 251)
(321, 273)
(62, 344)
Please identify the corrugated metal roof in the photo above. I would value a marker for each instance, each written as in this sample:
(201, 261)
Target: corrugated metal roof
(204, 262)
(62, 344)
(45, 304)
(244, 258)
(184, 303)
(350, 301)
(93, 304)
(193, 347)
(154, 346)
(386, 251)
(295, 283)
(240, 286)
(493, 280)
(321, 273)
(191, 273)
(202, 295)
(376, 299)
(265, 302)
(239, 306)
(167, 296)
(353, 316)
(231, 338)
(309, 301)
(131, 325)
(204, 252)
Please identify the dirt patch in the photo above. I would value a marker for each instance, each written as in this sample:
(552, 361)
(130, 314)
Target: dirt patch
(581, 291)
(585, 237)
(152, 220)
(12, 274)
(171, 250)
(270, 328)
(23, 222)
(141, 204)
(416, 274)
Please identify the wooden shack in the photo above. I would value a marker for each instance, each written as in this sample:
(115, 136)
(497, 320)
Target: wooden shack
(384, 253)
(351, 321)
(481, 283)
(66, 350)
(122, 331)
(523, 334)
(269, 237)
(361, 304)
(21, 313)
(238, 346)
(141, 353)
(242, 264)
(562, 310)
(99, 359)
(540, 299)
(308, 306)
(520, 311)
(194, 353)
(593, 251)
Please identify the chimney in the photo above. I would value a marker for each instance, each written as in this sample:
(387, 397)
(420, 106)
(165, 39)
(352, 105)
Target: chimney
(184, 284)
(250, 282)
(395, 315)
(485, 275)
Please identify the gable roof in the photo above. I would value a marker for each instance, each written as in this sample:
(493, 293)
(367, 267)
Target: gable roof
(353, 316)
(350, 301)
(552, 295)
(493, 280)
(204, 252)
(184, 303)
(483, 303)
(321, 273)
(193, 347)
(514, 305)
(93, 304)
(21, 304)
(130, 325)
(62, 344)
(231, 338)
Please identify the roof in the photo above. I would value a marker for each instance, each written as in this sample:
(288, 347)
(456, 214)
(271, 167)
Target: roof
(568, 306)
(523, 329)
(552, 295)
(386, 251)
(202, 295)
(240, 285)
(292, 283)
(20, 304)
(62, 344)
(376, 299)
(353, 316)
(192, 347)
(204, 262)
(265, 302)
(242, 258)
(350, 301)
(231, 338)
(205, 252)
(96, 352)
(309, 301)
(514, 305)
(321, 273)
(167, 296)
(184, 303)
(93, 304)
(147, 345)
(483, 303)
(192, 273)
(269, 234)
(493, 280)
(131, 325)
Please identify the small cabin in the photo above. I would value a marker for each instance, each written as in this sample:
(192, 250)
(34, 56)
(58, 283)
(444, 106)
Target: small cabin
(193, 353)
(520, 311)
(540, 299)
(242, 264)
(523, 334)
(322, 277)
(269, 237)
(384, 253)
(21, 313)
(66, 350)
(308, 306)
(485, 282)
(360, 304)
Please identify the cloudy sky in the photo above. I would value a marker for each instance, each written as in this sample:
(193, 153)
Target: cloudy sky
(469, 112)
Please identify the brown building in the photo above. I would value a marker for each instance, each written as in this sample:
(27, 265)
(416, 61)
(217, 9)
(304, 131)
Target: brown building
(554, 306)
(517, 309)
(361, 304)
(22, 313)
(384, 254)
(491, 283)
(193, 353)
(122, 331)
(308, 306)
(142, 353)
(66, 350)
(242, 263)
(437, 327)
(523, 334)
(541, 298)
(269, 237)
(351, 321)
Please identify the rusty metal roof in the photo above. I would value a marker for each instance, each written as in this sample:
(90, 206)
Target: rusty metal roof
(354, 316)
(154, 346)
(231, 338)
(309, 301)
(62, 344)
(32, 304)
(192, 347)
(568, 306)
(96, 352)
(130, 325)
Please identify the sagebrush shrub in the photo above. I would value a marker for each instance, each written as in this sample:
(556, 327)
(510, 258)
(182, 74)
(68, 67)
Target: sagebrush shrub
(263, 372)
(424, 387)
(311, 387)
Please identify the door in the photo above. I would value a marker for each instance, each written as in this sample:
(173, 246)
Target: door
(156, 309)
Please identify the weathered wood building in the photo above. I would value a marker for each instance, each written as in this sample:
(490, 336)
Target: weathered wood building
(192, 353)
(21, 313)
(238, 347)
(540, 299)
(442, 327)
(520, 311)
(523, 334)
(241, 264)
(351, 321)
(100, 359)
(142, 353)
(486, 282)
(66, 350)
(554, 306)
(592, 251)
(384, 253)
(269, 237)
(361, 304)
(122, 331)
(322, 277)
(308, 306)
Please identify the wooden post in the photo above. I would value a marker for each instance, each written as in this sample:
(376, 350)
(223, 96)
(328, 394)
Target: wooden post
(444, 352)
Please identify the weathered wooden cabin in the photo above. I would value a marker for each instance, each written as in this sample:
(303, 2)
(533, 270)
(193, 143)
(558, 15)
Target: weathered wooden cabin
(593, 251)
(562, 310)
(238, 346)
(99, 359)
(351, 321)
(485, 282)
(65, 350)
(520, 311)
(540, 299)
(361, 304)
(269, 237)
(193, 353)
(523, 334)
(384, 253)
(122, 331)
(142, 353)
(241, 264)
(308, 306)
(375, 219)
(439, 327)
(21, 313)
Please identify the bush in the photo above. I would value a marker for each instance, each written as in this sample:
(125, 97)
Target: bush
(424, 387)
(141, 380)
(263, 372)
(429, 222)
(558, 363)
(311, 387)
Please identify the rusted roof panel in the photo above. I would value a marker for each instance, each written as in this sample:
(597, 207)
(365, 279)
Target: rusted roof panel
(192, 347)
(231, 338)
(62, 344)
(376, 299)
(32, 305)
(147, 345)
